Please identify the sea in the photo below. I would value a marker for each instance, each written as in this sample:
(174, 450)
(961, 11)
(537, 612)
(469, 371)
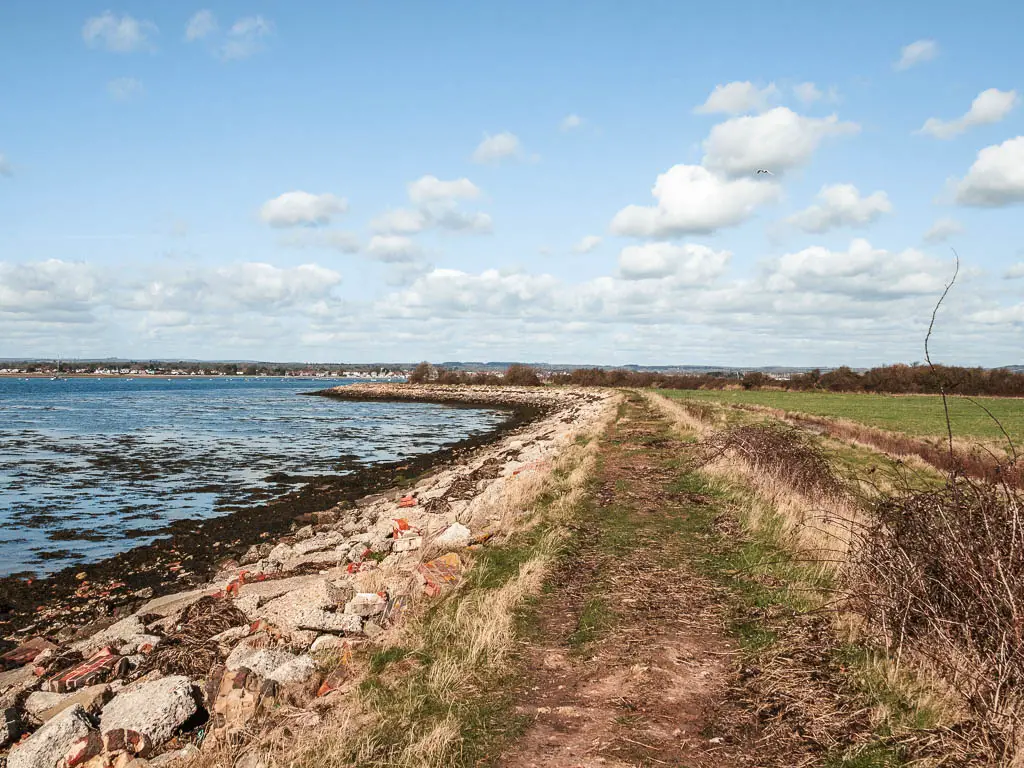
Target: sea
(90, 467)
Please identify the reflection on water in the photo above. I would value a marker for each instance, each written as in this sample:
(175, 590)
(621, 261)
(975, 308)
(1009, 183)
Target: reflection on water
(92, 467)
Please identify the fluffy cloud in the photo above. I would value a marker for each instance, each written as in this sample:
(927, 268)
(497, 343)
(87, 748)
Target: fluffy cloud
(5, 166)
(570, 122)
(860, 271)
(436, 206)
(119, 34)
(246, 37)
(430, 189)
(124, 88)
(777, 140)
(202, 24)
(996, 178)
(251, 286)
(841, 205)
(989, 106)
(942, 230)
(1015, 272)
(693, 200)
(393, 249)
(302, 209)
(343, 242)
(692, 264)
(494, 149)
(451, 292)
(808, 93)
(737, 98)
(587, 244)
(59, 291)
(400, 221)
(917, 52)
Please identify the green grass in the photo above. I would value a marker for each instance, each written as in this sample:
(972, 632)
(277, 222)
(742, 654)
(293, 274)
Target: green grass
(918, 415)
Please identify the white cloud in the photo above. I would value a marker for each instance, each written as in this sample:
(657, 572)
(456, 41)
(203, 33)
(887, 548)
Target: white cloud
(336, 240)
(302, 208)
(393, 249)
(917, 52)
(494, 149)
(942, 230)
(587, 244)
(1003, 316)
(777, 140)
(996, 178)
(989, 106)
(5, 166)
(251, 286)
(400, 221)
(841, 205)
(570, 122)
(1015, 272)
(245, 38)
(202, 24)
(122, 34)
(451, 292)
(737, 98)
(693, 200)
(692, 264)
(59, 291)
(454, 220)
(860, 271)
(430, 189)
(808, 92)
(124, 88)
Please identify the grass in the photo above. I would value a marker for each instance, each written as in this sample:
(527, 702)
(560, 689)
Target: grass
(917, 415)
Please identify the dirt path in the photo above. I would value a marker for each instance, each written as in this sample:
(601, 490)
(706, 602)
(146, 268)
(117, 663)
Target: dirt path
(631, 658)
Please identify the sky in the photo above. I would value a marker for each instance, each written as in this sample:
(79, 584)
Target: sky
(567, 182)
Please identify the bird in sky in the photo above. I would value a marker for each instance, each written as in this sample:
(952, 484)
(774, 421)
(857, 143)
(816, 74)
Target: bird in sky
(762, 170)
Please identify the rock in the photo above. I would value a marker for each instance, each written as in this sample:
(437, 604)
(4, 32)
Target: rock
(50, 744)
(312, 608)
(266, 565)
(327, 642)
(169, 605)
(175, 757)
(14, 682)
(247, 604)
(280, 553)
(302, 638)
(366, 604)
(26, 652)
(233, 634)
(10, 726)
(371, 629)
(90, 699)
(115, 635)
(155, 710)
(455, 536)
(306, 532)
(381, 546)
(140, 644)
(83, 750)
(261, 661)
(298, 670)
(320, 543)
(407, 544)
(40, 701)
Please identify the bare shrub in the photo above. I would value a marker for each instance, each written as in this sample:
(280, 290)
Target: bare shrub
(521, 376)
(941, 573)
(782, 451)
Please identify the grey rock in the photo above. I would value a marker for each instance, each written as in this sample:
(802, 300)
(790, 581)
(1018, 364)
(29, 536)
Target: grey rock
(298, 670)
(155, 709)
(10, 726)
(261, 661)
(48, 746)
(455, 536)
(305, 532)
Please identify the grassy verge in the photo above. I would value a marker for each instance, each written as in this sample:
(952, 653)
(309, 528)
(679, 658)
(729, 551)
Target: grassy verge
(917, 415)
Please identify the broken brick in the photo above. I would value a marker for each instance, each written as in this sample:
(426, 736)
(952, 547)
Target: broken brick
(25, 653)
(440, 573)
(406, 502)
(102, 666)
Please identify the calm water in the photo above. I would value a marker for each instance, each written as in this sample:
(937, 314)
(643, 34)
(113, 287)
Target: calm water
(92, 467)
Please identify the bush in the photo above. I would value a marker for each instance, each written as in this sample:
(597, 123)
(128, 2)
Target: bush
(422, 373)
(522, 376)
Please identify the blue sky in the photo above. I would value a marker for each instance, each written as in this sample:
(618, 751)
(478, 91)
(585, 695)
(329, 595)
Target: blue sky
(397, 181)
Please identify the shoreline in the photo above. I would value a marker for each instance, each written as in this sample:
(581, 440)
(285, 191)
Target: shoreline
(162, 672)
(188, 553)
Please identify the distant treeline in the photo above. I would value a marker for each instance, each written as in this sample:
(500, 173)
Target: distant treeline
(889, 379)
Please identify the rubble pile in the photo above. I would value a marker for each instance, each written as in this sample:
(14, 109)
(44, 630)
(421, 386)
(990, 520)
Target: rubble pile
(279, 626)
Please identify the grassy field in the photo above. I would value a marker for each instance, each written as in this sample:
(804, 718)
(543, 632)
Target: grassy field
(919, 415)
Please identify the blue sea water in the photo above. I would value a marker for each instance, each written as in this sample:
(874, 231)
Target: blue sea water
(91, 467)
